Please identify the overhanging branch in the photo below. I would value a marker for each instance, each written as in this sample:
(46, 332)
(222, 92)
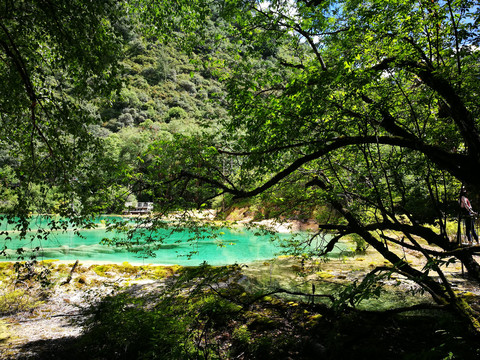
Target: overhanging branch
(443, 159)
(452, 162)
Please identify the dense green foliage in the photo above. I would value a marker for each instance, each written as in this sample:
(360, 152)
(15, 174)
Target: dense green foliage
(364, 108)
(86, 112)
(367, 106)
(48, 81)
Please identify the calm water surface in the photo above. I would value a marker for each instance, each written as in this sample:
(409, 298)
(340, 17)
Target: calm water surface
(237, 246)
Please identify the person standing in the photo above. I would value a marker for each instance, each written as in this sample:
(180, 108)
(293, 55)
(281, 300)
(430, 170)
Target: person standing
(468, 215)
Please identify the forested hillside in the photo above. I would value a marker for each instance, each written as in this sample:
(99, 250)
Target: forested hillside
(162, 93)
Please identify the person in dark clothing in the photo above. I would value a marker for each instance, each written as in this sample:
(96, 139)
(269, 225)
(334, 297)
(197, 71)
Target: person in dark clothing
(468, 215)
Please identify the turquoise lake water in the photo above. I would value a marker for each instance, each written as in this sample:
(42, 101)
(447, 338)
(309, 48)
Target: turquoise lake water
(238, 246)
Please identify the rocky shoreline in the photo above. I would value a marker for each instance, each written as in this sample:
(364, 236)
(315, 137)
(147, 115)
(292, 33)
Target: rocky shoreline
(55, 318)
(25, 334)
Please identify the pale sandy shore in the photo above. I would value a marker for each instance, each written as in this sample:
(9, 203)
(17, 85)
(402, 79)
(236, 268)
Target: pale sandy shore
(100, 262)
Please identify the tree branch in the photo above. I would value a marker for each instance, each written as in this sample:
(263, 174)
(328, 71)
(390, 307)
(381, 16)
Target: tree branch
(443, 159)
(459, 112)
(13, 53)
(406, 308)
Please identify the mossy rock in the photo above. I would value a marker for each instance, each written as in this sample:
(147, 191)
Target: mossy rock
(258, 322)
(4, 332)
(325, 275)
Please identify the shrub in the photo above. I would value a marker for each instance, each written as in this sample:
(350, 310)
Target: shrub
(126, 119)
(137, 47)
(153, 75)
(241, 337)
(188, 86)
(176, 113)
(16, 300)
(166, 324)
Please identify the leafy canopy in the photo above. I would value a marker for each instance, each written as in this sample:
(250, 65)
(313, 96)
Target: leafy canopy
(367, 106)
